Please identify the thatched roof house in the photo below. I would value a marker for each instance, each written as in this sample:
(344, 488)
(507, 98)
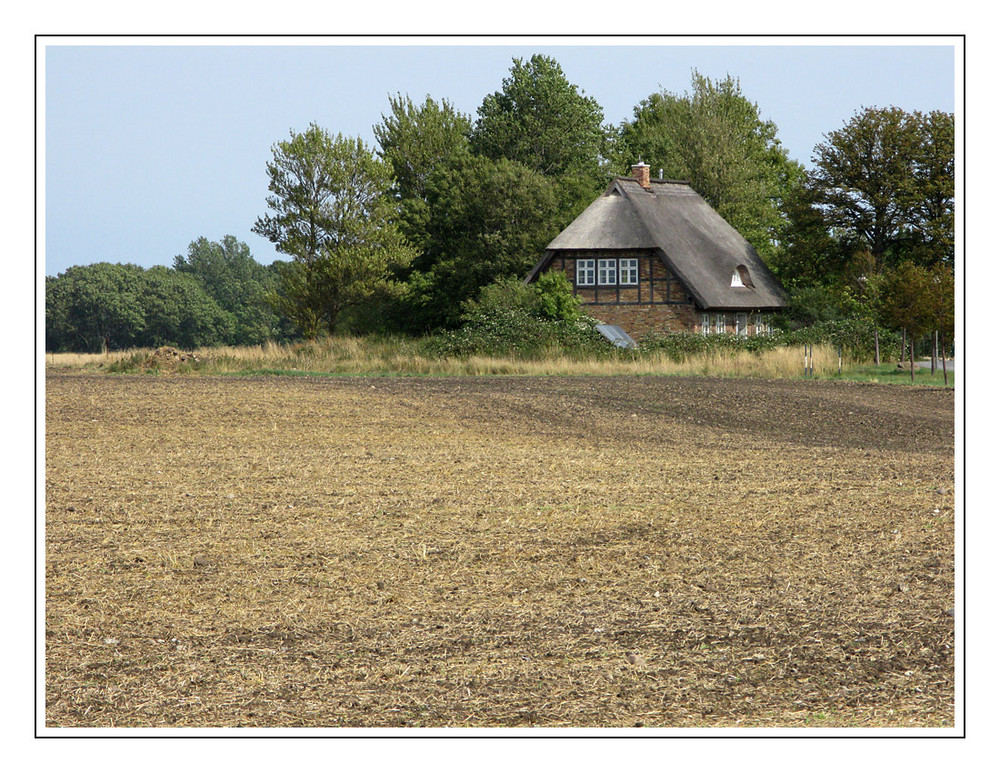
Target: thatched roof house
(653, 257)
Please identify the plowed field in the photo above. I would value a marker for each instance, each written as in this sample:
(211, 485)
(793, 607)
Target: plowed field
(502, 552)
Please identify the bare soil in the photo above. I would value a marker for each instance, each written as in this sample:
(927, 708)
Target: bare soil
(502, 552)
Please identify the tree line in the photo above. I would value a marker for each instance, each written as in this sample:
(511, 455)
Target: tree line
(404, 236)
(215, 295)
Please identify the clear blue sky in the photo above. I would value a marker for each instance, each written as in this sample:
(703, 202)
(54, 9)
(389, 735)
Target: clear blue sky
(149, 147)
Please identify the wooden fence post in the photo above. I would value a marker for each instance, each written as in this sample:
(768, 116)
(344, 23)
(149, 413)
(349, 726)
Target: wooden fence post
(877, 359)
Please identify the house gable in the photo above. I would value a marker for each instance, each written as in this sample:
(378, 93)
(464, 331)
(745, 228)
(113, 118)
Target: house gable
(653, 256)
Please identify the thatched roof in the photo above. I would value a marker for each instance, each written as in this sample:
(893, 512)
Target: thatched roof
(696, 244)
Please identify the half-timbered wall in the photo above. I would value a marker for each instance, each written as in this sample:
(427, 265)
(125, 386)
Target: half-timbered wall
(656, 303)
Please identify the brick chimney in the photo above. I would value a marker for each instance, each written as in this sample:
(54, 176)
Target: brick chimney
(640, 172)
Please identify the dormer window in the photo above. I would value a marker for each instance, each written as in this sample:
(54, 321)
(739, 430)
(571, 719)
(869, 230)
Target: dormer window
(741, 277)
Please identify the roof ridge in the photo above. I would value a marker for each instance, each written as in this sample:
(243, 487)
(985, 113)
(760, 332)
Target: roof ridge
(660, 180)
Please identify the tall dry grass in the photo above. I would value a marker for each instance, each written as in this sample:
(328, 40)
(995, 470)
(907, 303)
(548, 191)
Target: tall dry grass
(88, 361)
(347, 355)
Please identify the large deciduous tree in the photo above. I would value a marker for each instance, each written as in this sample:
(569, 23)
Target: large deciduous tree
(715, 138)
(418, 140)
(228, 273)
(94, 308)
(542, 121)
(178, 312)
(331, 215)
(887, 177)
(492, 219)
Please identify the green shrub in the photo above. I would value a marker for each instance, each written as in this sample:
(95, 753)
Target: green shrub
(556, 298)
(678, 346)
(857, 337)
(500, 296)
(514, 332)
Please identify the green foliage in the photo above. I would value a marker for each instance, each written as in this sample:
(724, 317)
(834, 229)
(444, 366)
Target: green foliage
(94, 308)
(514, 332)
(808, 252)
(331, 214)
(857, 337)
(556, 297)
(887, 177)
(416, 140)
(228, 273)
(178, 312)
(491, 219)
(919, 299)
(541, 120)
(678, 346)
(501, 295)
(813, 304)
(715, 138)
(942, 293)
(115, 306)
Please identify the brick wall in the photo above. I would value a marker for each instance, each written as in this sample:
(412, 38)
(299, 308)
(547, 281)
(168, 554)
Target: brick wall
(639, 321)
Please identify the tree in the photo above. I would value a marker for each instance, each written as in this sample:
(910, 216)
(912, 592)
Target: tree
(808, 253)
(331, 214)
(909, 301)
(541, 120)
(94, 308)
(114, 306)
(888, 178)
(237, 283)
(942, 286)
(715, 138)
(178, 312)
(934, 207)
(492, 219)
(417, 141)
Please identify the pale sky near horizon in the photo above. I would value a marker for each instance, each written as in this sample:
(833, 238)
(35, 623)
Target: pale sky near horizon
(149, 147)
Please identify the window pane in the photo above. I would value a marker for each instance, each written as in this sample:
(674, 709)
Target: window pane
(606, 271)
(629, 268)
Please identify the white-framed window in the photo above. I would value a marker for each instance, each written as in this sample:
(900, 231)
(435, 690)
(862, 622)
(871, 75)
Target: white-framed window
(741, 324)
(758, 324)
(720, 323)
(706, 324)
(628, 271)
(607, 271)
(585, 271)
